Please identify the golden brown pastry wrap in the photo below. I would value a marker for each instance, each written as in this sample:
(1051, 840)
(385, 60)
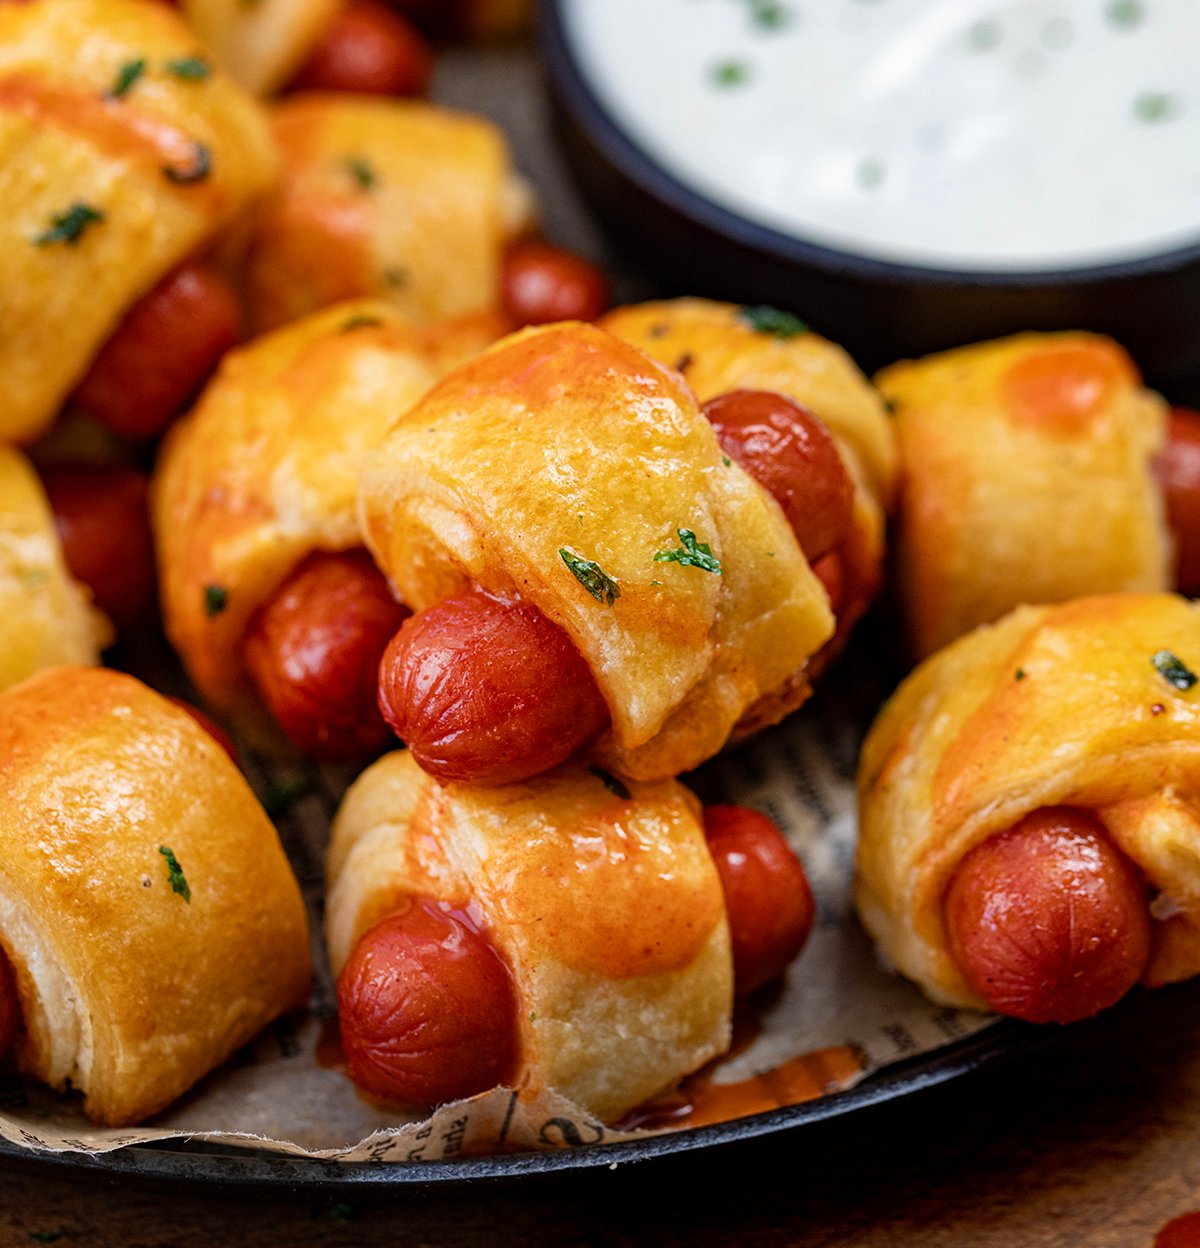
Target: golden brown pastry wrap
(567, 439)
(265, 43)
(264, 471)
(130, 989)
(1027, 478)
(46, 617)
(399, 199)
(620, 960)
(104, 190)
(1052, 706)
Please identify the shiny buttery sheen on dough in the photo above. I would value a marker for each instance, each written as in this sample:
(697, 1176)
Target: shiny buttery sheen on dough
(46, 617)
(399, 199)
(128, 990)
(264, 471)
(67, 145)
(1051, 706)
(607, 910)
(1027, 478)
(566, 438)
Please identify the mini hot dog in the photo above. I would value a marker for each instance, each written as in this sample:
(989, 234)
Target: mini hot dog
(509, 935)
(1030, 834)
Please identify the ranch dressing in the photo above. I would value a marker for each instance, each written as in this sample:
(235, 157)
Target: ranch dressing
(978, 134)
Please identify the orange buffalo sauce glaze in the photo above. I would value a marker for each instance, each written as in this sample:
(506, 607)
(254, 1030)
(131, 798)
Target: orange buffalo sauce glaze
(700, 1101)
(1182, 1232)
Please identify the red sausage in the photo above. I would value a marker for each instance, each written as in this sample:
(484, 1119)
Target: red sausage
(314, 650)
(368, 50)
(488, 692)
(104, 526)
(162, 352)
(1178, 471)
(790, 453)
(540, 283)
(10, 1005)
(1048, 921)
(767, 895)
(214, 730)
(426, 1008)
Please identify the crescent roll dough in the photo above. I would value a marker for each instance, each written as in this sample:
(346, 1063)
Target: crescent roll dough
(620, 961)
(46, 617)
(131, 987)
(398, 199)
(264, 471)
(556, 466)
(1027, 478)
(264, 43)
(1061, 705)
(104, 190)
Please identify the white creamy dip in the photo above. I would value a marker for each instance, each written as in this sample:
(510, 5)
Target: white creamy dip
(945, 133)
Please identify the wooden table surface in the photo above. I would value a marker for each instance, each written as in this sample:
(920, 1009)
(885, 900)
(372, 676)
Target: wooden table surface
(1092, 1140)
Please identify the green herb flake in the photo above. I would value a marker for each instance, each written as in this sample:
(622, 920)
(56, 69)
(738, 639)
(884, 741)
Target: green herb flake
(46, 1237)
(362, 173)
(533, 1016)
(1126, 14)
(591, 576)
(1019, 674)
(175, 875)
(1173, 670)
(691, 554)
(1153, 106)
(764, 319)
(216, 599)
(983, 35)
(197, 171)
(278, 797)
(395, 277)
(869, 173)
(127, 75)
(68, 227)
(769, 15)
(361, 321)
(189, 68)
(726, 460)
(611, 783)
(730, 73)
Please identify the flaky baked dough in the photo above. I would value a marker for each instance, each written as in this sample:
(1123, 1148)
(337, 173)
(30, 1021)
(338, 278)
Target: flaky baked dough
(566, 438)
(607, 910)
(128, 991)
(1027, 478)
(265, 43)
(1052, 706)
(264, 471)
(66, 143)
(46, 617)
(398, 199)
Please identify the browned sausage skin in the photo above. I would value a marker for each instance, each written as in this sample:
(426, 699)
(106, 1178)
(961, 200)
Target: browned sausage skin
(1048, 921)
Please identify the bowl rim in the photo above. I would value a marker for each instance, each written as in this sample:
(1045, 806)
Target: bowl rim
(570, 81)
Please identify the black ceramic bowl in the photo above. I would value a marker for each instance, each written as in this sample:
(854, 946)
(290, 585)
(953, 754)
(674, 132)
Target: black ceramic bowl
(880, 311)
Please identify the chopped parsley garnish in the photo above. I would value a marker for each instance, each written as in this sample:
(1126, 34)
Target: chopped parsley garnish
(691, 554)
(1173, 670)
(68, 227)
(197, 171)
(128, 74)
(278, 797)
(768, 14)
(730, 73)
(1126, 13)
(175, 874)
(216, 598)
(361, 321)
(1020, 674)
(870, 172)
(984, 34)
(45, 1237)
(726, 460)
(764, 319)
(1155, 106)
(361, 172)
(591, 576)
(189, 68)
(395, 276)
(611, 783)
